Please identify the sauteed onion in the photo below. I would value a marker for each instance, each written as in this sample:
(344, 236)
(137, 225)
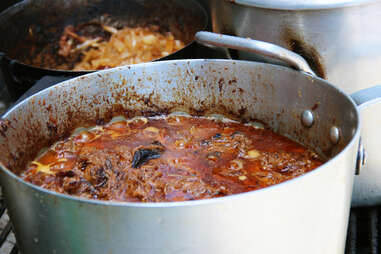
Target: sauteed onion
(125, 46)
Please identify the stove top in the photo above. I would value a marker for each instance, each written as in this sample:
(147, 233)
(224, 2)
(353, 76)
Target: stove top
(7, 238)
(363, 231)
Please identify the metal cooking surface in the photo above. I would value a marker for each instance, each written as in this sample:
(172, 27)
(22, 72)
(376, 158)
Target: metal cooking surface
(363, 231)
(7, 238)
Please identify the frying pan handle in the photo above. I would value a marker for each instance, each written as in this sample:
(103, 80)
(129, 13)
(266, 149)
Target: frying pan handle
(258, 47)
(4, 97)
(2, 67)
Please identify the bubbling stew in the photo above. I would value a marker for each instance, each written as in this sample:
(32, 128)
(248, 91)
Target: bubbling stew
(169, 158)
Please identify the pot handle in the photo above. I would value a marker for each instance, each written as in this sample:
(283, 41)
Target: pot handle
(365, 98)
(258, 47)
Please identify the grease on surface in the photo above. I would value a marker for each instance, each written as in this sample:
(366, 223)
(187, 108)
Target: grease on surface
(169, 158)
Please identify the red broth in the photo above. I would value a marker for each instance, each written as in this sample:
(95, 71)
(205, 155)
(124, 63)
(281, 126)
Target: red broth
(169, 158)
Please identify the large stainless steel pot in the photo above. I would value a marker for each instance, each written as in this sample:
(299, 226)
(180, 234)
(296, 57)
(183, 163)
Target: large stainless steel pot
(306, 215)
(338, 38)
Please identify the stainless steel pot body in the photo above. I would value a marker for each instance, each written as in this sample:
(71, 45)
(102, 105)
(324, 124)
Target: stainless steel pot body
(339, 40)
(308, 214)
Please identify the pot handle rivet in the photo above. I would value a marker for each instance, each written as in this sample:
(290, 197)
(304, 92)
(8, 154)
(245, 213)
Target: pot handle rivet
(334, 135)
(307, 118)
(361, 158)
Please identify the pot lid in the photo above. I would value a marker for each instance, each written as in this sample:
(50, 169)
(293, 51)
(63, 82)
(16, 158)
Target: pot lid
(301, 4)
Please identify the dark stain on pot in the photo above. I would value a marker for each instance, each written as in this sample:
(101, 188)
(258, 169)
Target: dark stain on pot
(4, 125)
(13, 162)
(233, 81)
(49, 108)
(310, 55)
(52, 129)
(315, 106)
(298, 45)
(242, 111)
(100, 121)
(221, 84)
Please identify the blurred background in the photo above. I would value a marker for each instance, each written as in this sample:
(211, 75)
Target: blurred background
(6, 3)
(4, 97)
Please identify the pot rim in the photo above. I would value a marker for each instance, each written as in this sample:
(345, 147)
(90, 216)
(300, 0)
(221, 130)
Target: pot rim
(275, 187)
(24, 3)
(301, 5)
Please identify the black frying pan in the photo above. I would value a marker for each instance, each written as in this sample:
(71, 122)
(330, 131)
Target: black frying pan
(33, 28)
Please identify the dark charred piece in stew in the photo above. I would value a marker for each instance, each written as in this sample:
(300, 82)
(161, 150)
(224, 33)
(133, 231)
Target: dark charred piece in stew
(169, 158)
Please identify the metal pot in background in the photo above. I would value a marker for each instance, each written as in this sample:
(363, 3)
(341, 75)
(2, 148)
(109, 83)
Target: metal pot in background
(339, 39)
(32, 26)
(293, 103)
